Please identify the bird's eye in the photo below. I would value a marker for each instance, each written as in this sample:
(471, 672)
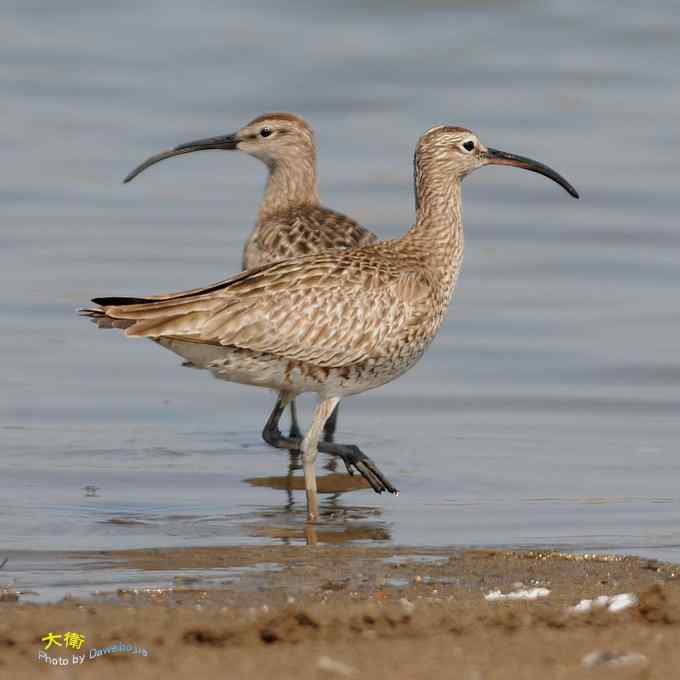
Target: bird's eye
(265, 132)
(469, 145)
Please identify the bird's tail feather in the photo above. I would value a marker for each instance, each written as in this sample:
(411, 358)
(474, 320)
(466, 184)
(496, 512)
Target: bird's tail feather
(99, 317)
(110, 301)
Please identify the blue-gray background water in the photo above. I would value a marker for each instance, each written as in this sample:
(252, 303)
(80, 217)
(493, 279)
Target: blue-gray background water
(547, 410)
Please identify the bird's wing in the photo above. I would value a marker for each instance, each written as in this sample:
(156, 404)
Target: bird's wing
(292, 234)
(162, 297)
(329, 309)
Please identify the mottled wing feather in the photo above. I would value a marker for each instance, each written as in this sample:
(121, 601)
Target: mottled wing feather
(297, 232)
(205, 289)
(320, 325)
(329, 310)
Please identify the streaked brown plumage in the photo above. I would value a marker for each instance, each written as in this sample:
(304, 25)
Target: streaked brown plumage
(335, 323)
(291, 220)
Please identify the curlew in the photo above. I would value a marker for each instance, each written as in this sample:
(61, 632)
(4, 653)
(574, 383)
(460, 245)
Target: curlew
(335, 323)
(291, 220)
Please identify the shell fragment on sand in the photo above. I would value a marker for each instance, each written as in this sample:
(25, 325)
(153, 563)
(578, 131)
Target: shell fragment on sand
(524, 594)
(613, 603)
(600, 658)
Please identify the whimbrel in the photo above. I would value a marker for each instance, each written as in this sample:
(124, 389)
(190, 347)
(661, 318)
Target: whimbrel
(291, 220)
(335, 323)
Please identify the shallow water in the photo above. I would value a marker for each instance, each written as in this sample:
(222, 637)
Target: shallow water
(48, 576)
(545, 413)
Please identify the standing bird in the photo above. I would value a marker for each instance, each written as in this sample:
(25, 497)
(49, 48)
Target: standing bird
(335, 323)
(291, 220)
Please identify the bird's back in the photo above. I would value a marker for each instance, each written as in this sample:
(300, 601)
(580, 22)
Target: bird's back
(302, 230)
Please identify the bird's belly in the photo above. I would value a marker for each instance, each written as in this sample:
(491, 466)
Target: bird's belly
(236, 365)
(368, 375)
(268, 370)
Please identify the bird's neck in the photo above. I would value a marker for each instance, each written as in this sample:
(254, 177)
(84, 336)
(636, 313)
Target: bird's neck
(291, 183)
(438, 231)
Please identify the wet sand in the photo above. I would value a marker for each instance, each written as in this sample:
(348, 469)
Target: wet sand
(335, 611)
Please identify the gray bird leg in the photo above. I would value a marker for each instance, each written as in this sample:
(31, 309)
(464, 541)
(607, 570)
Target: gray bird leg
(331, 425)
(295, 430)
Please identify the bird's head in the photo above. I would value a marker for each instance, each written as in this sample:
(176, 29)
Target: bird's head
(272, 137)
(454, 152)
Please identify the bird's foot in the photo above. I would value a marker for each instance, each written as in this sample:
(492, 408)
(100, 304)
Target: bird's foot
(355, 459)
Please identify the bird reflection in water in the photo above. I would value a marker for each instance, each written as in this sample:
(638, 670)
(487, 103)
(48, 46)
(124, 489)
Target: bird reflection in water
(341, 523)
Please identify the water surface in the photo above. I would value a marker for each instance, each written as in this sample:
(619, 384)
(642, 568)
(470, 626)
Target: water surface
(545, 413)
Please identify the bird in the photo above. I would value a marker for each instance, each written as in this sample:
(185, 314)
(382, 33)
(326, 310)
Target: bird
(334, 323)
(291, 220)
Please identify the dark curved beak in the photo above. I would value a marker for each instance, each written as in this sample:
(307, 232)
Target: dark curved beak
(225, 142)
(497, 157)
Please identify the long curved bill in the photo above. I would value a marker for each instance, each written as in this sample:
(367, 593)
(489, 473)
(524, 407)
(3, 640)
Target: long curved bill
(497, 157)
(225, 142)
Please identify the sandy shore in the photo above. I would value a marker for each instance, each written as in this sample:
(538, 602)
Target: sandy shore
(333, 612)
